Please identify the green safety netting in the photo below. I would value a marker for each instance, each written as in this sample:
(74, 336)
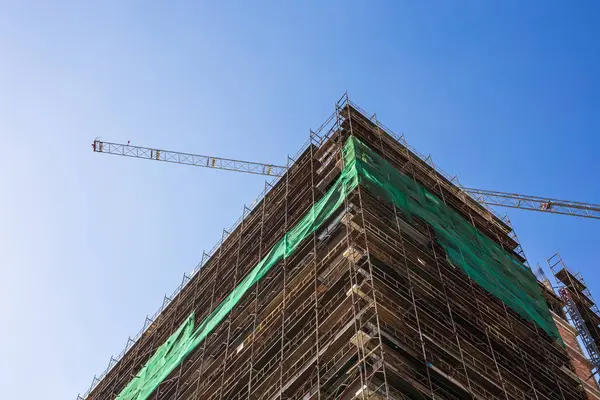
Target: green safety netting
(474, 253)
(165, 359)
(482, 259)
(186, 339)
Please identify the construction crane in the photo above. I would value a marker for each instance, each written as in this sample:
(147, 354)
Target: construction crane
(488, 197)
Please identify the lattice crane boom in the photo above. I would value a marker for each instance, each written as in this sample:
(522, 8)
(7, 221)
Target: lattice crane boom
(488, 197)
(187, 158)
(535, 203)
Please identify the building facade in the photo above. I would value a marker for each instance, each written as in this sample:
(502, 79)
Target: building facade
(362, 273)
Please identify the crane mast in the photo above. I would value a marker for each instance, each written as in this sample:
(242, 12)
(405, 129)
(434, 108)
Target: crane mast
(488, 197)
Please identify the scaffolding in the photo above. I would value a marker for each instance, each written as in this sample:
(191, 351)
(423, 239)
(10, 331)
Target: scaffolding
(368, 306)
(579, 305)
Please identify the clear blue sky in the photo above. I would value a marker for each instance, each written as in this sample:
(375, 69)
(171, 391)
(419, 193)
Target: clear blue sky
(503, 94)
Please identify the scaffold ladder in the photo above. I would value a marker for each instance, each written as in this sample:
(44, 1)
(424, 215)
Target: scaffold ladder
(582, 330)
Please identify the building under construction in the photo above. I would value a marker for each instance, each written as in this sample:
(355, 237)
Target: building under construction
(362, 273)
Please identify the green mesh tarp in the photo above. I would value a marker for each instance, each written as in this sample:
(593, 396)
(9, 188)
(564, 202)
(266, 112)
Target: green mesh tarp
(186, 339)
(169, 355)
(474, 253)
(482, 259)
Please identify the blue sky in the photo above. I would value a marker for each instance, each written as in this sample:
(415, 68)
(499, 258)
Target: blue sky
(503, 94)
